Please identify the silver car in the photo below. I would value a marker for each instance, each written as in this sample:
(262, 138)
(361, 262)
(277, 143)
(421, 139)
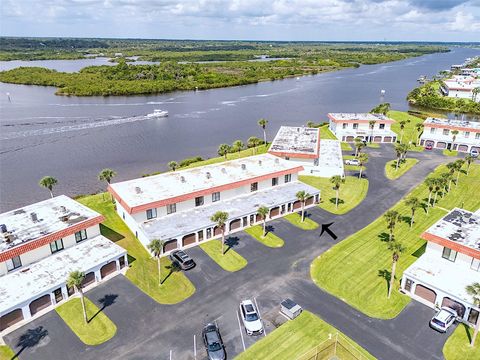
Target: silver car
(443, 319)
(251, 320)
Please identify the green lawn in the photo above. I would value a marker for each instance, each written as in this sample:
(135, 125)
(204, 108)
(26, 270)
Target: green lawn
(325, 133)
(270, 240)
(352, 167)
(296, 219)
(352, 193)
(294, 338)
(450, 152)
(409, 132)
(230, 261)
(6, 353)
(390, 168)
(356, 270)
(96, 331)
(458, 347)
(143, 269)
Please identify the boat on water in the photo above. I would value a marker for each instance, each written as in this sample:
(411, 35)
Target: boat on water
(422, 78)
(158, 113)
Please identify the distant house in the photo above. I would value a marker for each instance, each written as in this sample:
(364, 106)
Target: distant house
(438, 134)
(348, 126)
(40, 244)
(462, 86)
(450, 263)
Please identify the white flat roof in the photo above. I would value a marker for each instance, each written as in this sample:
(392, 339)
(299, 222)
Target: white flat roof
(459, 226)
(331, 154)
(168, 185)
(185, 222)
(444, 275)
(23, 227)
(359, 116)
(50, 273)
(452, 123)
(296, 140)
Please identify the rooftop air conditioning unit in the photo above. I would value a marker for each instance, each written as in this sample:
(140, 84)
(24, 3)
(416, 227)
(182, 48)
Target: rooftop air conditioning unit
(3, 228)
(182, 179)
(138, 190)
(224, 170)
(34, 217)
(208, 175)
(244, 167)
(63, 209)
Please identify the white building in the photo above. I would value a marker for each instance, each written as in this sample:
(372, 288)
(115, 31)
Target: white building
(450, 263)
(348, 126)
(177, 206)
(303, 146)
(461, 87)
(438, 133)
(40, 245)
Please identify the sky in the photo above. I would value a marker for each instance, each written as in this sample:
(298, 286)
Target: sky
(311, 20)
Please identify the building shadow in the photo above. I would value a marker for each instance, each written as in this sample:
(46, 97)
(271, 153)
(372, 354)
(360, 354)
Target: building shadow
(106, 301)
(30, 339)
(420, 251)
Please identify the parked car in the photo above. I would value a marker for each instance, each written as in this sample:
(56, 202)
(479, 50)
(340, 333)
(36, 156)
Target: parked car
(428, 147)
(443, 319)
(182, 260)
(251, 320)
(213, 342)
(352, 162)
(474, 153)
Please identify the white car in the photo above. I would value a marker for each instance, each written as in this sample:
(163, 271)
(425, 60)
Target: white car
(251, 320)
(352, 162)
(474, 153)
(443, 319)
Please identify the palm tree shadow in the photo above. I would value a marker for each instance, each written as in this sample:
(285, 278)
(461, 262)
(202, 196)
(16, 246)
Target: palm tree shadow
(269, 229)
(174, 267)
(231, 242)
(406, 219)
(387, 275)
(385, 237)
(30, 338)
(334, 200)
(106, 301)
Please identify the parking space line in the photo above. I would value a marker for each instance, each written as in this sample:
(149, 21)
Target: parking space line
(240, 328)
(195, 346)
(261, 319)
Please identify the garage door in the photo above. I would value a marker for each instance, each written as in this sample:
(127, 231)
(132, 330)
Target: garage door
(217, 231)
(455, 305)
(108, 269)
(441, 145)
(387, 139)
(463, 148)
(425, 293)
(258, 218)
(40, 304)
(275, 212)
(170, 245)
(377, 139)
(350, 138)
(309, 201)
(89, 279)
(188, 239)
(297, 205)
(235, 224)
(11, 318)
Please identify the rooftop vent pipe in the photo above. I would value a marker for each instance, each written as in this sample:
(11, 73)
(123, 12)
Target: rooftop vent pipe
(182, 179)
(208, 175)
(244, 167)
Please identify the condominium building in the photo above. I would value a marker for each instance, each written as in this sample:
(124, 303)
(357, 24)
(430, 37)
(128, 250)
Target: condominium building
(462, 87)
(302, 145)
(450, 263)
(439, 133)
(366, 126)
(177, 206)
(40, 244)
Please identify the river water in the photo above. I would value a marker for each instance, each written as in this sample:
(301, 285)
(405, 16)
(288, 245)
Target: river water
(73, 138)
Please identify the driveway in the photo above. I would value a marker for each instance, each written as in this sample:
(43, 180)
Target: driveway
(148, 330)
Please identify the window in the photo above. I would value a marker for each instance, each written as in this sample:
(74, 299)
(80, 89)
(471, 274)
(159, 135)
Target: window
(57, 245)
(254, 186)
(216, 196)
(446, 131)
(14, 263)
(449, 254)
(432, 130)
(473, 316)
(466, 134)
(287, 158)
(199, 201)
(209, 233)
(81, 235)
(275, 181)
(475, 264)
(151, 213)
(381, 126)
(171, 208)
(344, 125)
(288, 178)
(355, 126)
(477, 136)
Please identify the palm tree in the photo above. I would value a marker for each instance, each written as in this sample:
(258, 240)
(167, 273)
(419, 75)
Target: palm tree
(238, 145)
(310, 124)
(107, 175)
(458, 167)
(413, 203)
(400, 150)
(156, 248)
(474, 291)
(253, 142)
(220, 218)
(371, 124)
(454, 137)
(302, 196)
(359, 145)
(173, 165)
(263, 124)
(337, 180)
(452, 167)
(438, 184)
(223, 150)
(469, 159)
(402, 128)
(419, 128)
(75, 280)
(430, 183)
(48, 182)
(363, 159)
(475, 92)
(396, 248)
(263, 211)
(391, 217)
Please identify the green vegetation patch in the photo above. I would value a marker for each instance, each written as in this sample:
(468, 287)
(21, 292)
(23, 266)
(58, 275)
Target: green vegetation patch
(410, 132)
(270, 240)
(230, 261)
(296, 219)
(143, 269)
(352, 193)
(96, 331)
(6, 353)
(356, 270)
(458, 347)
(450, 152)
(325, 133)
(393, 173)
(296, 337)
